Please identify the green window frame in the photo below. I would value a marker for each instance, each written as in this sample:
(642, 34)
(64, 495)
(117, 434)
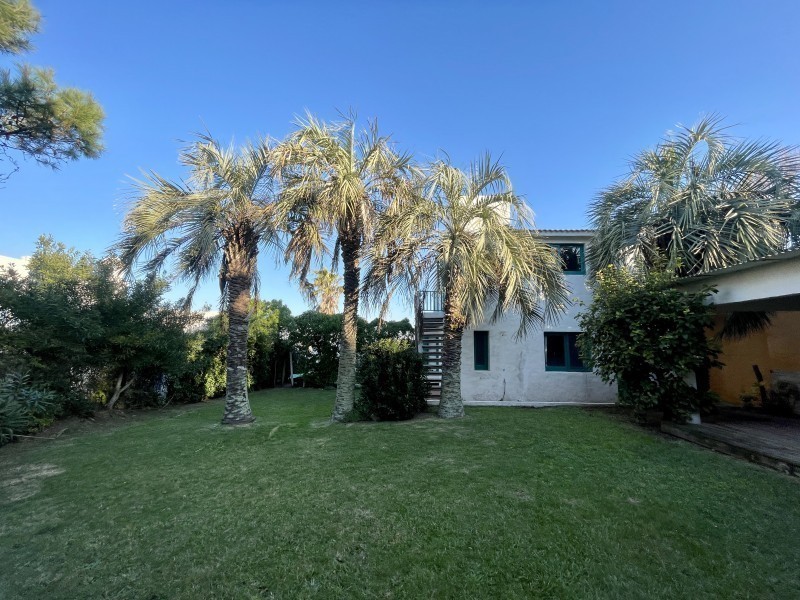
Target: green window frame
(561, 352)
(581, 252)
(480, 340)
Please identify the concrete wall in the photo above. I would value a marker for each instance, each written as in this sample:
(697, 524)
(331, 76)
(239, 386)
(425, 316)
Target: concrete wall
(767, 284)
(775, 349)
(517, 367)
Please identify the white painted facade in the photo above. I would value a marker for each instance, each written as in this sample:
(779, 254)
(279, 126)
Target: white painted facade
(769, 283)
(20, 265)
(517, 373)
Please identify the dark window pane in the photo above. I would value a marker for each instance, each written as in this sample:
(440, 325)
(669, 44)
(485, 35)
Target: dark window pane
(481, 339)
(570, 257)
(554, 350)
(575, 361)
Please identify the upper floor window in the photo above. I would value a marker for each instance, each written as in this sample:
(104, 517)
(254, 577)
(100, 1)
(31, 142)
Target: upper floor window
(572, 258)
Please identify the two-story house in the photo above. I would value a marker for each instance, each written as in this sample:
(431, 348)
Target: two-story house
(543, 368)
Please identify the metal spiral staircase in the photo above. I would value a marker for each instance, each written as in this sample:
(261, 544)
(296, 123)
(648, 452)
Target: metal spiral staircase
(430, 338)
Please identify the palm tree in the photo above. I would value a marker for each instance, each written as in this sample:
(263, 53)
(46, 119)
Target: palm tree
(699, 201)
(336, 181)
(325, 291)
(215, 222)
(469, 236)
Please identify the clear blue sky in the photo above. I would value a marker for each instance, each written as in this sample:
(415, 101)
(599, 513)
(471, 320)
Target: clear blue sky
(566, 92)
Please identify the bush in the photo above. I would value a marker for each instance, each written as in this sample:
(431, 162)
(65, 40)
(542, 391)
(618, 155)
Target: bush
(23, 408)
(393, 384)
(646, 336)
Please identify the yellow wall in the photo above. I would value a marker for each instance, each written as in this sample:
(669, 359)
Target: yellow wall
(775, 349)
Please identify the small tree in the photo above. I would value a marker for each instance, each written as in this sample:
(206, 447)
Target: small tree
(645, 335)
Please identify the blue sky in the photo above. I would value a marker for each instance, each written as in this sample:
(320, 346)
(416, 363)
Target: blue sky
(565, 92)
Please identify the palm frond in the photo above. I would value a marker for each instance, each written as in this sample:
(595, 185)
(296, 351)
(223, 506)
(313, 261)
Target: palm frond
(700, 200)
(190, 222)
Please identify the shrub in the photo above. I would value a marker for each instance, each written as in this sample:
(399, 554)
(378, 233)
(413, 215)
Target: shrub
(23, 408)
(393, 384)
(646, 336)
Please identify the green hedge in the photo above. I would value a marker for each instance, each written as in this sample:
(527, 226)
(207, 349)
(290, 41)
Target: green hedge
(393, 384)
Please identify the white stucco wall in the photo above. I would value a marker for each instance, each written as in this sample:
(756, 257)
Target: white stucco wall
(517, 372)
(757, 285)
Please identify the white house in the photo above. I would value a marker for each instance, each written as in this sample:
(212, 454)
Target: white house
(20, 265)
(543, 368)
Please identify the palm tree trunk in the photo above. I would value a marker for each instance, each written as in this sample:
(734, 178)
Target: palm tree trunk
(451, 405)
(240, 279)
(346, 379)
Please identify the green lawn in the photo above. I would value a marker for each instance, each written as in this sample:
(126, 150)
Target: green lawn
(506, 503)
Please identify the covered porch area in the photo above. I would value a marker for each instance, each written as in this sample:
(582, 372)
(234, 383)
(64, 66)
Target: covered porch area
(771, 285)
(755, 364)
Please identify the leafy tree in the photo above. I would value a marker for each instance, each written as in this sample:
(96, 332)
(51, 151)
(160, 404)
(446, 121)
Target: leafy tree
(37, 118)
(268, 342)
(53, 261)
(214, 223)
(337, 180)
(316, 340)
(44, 332)
(203, 376)
(470, 236)
(88, 334)
(378, 329)
(267, 345)
(699, 201)
(645, 335)
(142, 339)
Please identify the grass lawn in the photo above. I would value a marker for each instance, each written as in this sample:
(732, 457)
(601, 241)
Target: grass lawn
(506, 503)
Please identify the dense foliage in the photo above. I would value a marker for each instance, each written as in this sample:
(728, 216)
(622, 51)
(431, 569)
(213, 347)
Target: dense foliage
(267, 349)
(37, 118)
(646, 336)
(74, 329)
(23, 407)
(393, 383)
(316, 337)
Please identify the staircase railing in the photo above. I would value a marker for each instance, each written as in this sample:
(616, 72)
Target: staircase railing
(431, 301)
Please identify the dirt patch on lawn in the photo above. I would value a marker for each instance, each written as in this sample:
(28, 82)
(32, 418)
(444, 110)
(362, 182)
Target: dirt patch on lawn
(25, 481)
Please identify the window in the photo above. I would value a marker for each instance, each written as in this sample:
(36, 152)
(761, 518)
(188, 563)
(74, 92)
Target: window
(561, 352)
(572, 259)
(481, 340)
